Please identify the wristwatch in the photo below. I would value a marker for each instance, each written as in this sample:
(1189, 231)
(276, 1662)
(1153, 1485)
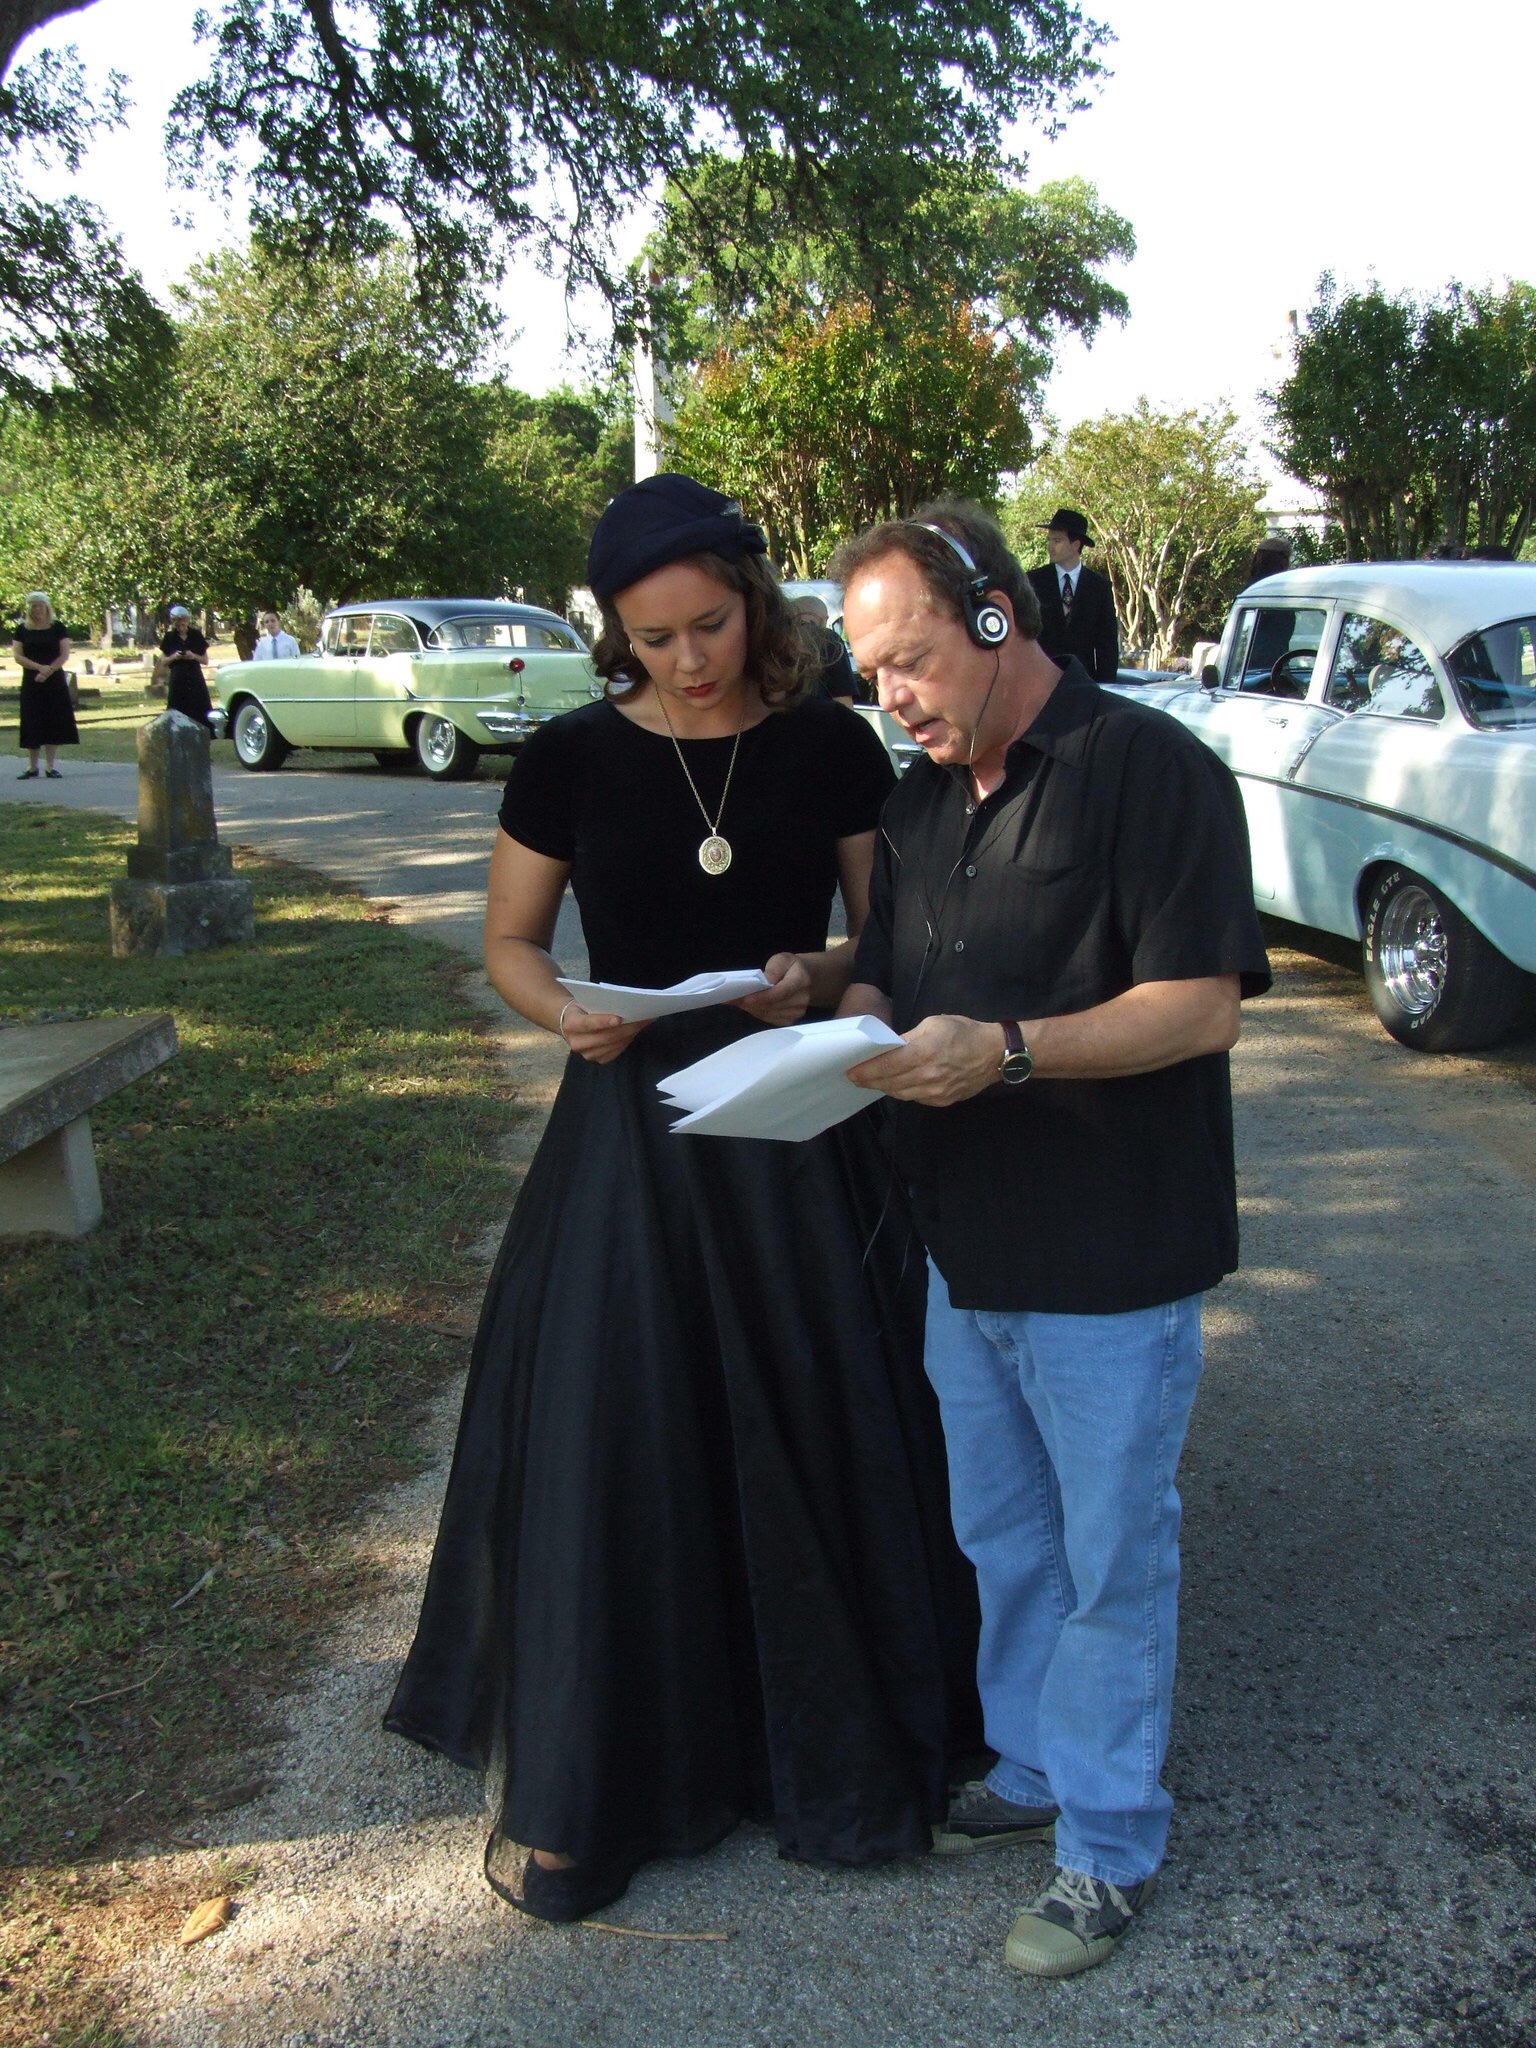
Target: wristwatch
(1018, 1061)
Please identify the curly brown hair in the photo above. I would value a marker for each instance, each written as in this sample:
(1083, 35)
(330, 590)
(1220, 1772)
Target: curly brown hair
(779, 658)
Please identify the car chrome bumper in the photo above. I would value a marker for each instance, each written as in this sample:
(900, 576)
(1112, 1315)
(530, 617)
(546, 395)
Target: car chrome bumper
(513, 725)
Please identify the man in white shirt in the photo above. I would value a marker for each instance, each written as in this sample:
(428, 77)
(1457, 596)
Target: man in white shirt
(274, 644)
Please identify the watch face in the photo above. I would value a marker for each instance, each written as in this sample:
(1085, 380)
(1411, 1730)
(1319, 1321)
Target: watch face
(1017, 1067)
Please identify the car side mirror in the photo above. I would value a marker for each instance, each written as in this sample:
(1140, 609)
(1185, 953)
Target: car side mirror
(1210, 676)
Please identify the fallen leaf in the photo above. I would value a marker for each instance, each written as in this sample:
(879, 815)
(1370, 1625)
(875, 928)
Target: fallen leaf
(192, 1591)
(137, 1130)
(58, 1591)
(205, 1919)
(341, 1357)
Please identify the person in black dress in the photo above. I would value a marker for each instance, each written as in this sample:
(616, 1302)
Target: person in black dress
(694, 1564)
(42, 650)
(184, 650)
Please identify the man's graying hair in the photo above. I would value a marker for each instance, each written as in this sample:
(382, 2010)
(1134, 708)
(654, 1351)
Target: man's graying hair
(941, 568)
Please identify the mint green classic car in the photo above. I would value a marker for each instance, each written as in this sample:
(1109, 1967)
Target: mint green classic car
(440, 681)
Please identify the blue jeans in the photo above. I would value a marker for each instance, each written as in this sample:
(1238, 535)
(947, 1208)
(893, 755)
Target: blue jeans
(1063, 1435)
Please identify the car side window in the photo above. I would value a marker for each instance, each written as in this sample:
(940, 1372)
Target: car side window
(1495, 675)
(1379, 670)
(352, 633)
(392, 635)
(1274, 650)
(330, 636)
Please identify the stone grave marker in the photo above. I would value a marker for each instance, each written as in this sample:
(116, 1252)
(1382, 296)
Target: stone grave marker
(179, 895)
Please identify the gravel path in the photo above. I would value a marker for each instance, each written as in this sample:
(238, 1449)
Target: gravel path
(1352, 1857)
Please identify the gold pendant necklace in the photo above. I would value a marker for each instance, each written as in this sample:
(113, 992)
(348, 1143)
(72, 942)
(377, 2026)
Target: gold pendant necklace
(714, 852)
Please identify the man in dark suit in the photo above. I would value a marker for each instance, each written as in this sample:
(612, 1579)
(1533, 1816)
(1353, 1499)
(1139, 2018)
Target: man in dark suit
(1077, 606)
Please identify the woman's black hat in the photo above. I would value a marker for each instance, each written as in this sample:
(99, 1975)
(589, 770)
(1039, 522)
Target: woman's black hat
(663, 519)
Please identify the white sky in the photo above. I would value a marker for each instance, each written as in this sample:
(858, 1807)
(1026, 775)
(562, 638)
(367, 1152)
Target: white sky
(1251, 151)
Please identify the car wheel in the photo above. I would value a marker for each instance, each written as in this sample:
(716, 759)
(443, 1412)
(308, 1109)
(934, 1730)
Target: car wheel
(1434, 980)
(258, 743)
(443, 751)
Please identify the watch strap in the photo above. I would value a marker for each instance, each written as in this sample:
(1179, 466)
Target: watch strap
(1017, 1063)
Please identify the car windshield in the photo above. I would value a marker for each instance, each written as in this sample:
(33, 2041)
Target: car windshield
(490, 631)
(1495, 675)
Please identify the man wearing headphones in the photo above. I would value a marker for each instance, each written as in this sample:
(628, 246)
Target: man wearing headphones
(1061, 927)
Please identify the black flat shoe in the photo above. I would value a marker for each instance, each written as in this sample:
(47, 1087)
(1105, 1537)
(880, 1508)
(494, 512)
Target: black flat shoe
(55, 774)
(27, 775)
(562, 1896)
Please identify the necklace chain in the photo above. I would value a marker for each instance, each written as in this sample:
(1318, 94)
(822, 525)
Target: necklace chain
(715, 852)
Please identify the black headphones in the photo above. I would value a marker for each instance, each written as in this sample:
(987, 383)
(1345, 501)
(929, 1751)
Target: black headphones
(987, 624)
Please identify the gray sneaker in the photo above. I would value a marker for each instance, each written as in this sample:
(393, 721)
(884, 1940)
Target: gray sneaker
(1077, 1921)
(980, 1818)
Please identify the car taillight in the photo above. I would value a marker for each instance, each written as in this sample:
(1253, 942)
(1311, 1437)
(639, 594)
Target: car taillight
(516, 664)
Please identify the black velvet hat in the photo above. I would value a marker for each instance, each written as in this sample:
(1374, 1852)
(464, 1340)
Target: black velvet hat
(662, 519)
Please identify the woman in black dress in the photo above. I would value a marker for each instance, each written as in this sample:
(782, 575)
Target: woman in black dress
(184, 650)
(42, 649)
(695, 1562)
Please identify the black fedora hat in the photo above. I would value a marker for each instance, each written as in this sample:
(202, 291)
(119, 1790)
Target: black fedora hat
(1072, 524)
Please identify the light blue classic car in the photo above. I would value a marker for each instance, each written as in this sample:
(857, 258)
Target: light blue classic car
(1380, 718)
(440, 681)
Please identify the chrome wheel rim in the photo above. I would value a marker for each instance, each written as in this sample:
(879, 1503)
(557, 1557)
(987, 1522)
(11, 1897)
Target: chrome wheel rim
(251, 733)
(439, 742)
(1412, 951)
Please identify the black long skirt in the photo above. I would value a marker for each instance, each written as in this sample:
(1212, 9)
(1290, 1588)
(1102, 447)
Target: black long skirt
(695, 1562)
(47, 716)
(187, 691)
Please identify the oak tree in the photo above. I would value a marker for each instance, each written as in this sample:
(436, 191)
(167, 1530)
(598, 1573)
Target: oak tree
(476, 128)
(1415, 419)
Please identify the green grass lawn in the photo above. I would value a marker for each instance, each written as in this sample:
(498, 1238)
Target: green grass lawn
(194, 1398)
(106, 730)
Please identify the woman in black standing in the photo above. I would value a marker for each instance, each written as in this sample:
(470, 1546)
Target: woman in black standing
(184, 650)
(42, 649)
(695, 1563)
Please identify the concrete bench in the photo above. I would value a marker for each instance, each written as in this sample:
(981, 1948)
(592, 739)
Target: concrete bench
(51, 1077)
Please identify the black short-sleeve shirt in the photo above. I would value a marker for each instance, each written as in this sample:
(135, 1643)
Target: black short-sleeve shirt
(179, 647)
(41, 643)
(611, 798)
(1114, 852)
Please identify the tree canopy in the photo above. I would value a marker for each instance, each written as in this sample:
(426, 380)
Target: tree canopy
(314, 433)
(852, 417)
(76, 325)
(726, 264)
(826, 407)
(475, 128)
(1174, 511)
(1416, 418)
